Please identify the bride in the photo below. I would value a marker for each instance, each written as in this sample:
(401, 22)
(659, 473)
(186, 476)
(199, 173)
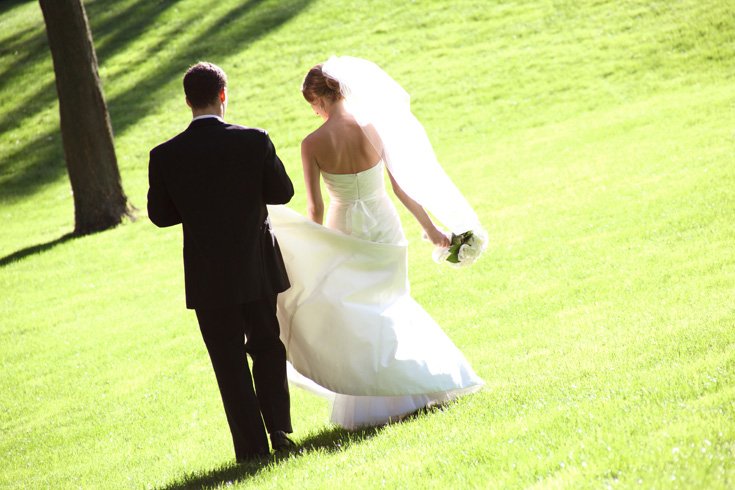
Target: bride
(352, 331)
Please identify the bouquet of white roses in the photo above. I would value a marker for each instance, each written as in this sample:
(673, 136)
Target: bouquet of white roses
(464, 249)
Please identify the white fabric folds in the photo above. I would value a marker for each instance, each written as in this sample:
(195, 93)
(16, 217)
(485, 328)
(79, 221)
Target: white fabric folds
(382, 108)
(349, 323)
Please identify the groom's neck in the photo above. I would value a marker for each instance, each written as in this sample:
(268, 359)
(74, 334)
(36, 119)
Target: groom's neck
(212, 110)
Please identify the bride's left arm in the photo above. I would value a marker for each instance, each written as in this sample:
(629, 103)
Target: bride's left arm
(436, 237)
(312, 175)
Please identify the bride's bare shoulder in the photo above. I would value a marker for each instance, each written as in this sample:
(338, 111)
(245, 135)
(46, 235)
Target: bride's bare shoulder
(319, 136)
(315, 143)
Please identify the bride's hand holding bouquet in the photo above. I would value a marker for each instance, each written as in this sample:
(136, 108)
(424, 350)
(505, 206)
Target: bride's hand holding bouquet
(463, 249)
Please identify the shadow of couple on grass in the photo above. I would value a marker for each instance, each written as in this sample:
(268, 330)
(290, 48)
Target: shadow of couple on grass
(330, 440)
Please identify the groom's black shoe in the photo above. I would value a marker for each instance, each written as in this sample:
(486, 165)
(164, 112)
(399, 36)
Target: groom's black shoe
(281, 442)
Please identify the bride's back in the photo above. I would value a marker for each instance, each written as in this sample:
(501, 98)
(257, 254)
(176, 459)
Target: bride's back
(342, 147)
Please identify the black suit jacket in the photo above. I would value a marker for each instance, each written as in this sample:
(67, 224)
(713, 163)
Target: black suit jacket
(216, 179)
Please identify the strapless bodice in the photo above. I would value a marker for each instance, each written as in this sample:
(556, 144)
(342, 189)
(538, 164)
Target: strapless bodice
(360, 207)
(365, 185)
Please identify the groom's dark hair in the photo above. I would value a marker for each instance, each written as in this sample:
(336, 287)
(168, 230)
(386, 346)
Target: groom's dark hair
(203, 84)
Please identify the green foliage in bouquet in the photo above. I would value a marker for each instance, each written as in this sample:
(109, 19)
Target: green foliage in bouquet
(457, 242)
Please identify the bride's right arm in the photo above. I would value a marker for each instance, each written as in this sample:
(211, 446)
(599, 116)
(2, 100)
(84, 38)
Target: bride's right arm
(315, 202)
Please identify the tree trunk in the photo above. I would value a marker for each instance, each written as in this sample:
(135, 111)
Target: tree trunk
(99, 200)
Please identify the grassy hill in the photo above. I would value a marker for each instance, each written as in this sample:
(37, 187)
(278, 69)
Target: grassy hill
(594, 138)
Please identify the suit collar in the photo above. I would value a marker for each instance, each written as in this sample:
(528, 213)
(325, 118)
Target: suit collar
(208, 116)
(202, 121)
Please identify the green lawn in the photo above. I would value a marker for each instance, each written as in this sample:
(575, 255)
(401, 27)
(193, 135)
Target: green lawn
(596, 140)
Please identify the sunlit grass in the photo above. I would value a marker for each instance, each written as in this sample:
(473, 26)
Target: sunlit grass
(595, 139)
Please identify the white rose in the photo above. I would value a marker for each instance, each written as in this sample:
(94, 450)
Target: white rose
(462, 252)
(481, 239)
(468, 254)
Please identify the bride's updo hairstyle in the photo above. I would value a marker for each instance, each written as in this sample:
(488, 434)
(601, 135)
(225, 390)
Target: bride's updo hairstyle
(316, 85)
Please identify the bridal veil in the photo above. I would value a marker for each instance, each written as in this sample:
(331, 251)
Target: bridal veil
(382, 108)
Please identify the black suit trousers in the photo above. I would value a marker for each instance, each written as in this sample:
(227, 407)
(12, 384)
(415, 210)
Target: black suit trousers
(230, 334)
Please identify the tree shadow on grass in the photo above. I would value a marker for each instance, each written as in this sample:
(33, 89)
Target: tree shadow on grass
(232, 32)
(32, 155)
(6, 5)
(35, 249)
(36, 160)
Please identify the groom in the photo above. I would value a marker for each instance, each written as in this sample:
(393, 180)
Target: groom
(216, 179)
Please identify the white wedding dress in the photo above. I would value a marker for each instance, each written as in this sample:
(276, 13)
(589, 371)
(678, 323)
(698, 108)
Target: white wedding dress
(352, 331)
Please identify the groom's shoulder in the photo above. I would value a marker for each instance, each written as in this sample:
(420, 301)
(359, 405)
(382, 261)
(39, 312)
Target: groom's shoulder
(250, 136)
(172, 146)
(247, 130)
(184, 140)
(166, 144)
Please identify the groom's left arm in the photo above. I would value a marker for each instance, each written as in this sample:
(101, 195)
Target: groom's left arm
(161, 209)
(277, 186)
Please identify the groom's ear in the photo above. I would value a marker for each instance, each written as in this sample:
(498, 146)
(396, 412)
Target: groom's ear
(187, 102)
(223, 95)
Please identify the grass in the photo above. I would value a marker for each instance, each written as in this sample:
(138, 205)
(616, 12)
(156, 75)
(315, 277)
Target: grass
(594, 138)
